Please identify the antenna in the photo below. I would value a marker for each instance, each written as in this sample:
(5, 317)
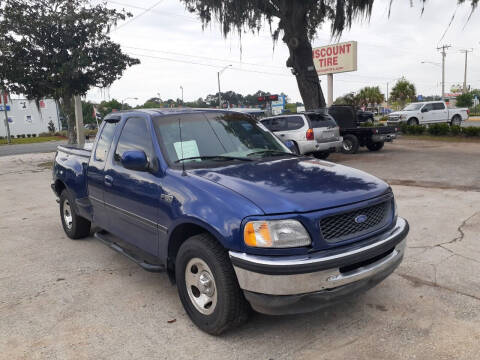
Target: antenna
(184, 173)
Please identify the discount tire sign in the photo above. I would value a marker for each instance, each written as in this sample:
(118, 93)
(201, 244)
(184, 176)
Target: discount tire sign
(335, 58)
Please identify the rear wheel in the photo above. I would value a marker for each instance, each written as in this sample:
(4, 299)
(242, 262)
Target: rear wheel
(456, 121)
(208, 287)
(74, 226)
(350, 144)
(375, 146)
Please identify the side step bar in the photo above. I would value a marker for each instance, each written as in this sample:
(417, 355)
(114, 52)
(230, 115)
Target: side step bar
(108, 240)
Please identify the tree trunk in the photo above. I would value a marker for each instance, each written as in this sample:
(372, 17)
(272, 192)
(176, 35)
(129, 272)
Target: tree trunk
(68, 112)
(293, 24)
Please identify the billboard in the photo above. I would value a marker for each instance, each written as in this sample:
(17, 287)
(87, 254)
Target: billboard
(336, 58)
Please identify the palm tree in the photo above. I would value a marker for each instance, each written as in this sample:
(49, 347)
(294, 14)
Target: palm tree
(370, 95)
(403, 91)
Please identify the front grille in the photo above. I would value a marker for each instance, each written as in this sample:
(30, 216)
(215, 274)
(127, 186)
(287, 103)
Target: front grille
(345, 226)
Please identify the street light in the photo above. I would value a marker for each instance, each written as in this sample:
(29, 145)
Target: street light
(432, 63)
(129, 98)
(219, 91)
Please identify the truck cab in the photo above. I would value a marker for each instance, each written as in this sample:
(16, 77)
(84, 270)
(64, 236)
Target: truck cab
(431, 112)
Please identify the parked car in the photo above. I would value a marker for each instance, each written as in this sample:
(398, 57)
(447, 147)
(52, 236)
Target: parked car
(312, 133)
(365, 116)
(234, 218)
(431, 112)
(354, 135)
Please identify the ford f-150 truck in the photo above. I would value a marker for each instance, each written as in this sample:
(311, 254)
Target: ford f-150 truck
(432, 112)
(235, 218)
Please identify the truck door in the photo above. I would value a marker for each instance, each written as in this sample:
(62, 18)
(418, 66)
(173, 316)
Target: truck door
(133, 196)
(428, 114)
(441, 112)
(95, 172)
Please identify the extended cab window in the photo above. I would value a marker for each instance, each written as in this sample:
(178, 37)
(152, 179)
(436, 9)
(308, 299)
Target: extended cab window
(438, 106)
(104, 141)
(135, 136)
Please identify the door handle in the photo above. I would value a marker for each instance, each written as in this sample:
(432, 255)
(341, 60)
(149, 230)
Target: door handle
(108, 180)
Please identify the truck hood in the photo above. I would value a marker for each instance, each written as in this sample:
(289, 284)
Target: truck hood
(296, 184)
(398, 113)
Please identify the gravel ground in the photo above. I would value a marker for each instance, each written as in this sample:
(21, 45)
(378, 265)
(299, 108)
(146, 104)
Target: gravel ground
(65, 299)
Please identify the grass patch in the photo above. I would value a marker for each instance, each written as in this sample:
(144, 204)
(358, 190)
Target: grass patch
(32, 140)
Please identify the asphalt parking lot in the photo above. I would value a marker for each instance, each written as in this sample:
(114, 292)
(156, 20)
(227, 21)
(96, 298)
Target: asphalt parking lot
(64, 299)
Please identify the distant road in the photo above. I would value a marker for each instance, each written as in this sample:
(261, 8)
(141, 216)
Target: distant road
(471, 123)
(17, 149)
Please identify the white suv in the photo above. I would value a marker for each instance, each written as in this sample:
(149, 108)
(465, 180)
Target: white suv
(311, 132)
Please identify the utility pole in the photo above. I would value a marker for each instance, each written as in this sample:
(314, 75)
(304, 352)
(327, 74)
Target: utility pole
(387, 94)
(444, 55)
(181, 87)
(466, 51)
(7, 126)
(219, 91)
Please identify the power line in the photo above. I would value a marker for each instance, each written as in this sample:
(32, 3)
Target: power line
(209, 65)
(164, 13)
(204, 57)
(139, 15)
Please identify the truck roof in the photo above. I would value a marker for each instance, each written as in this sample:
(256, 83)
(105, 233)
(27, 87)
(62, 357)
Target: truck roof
(169, 111)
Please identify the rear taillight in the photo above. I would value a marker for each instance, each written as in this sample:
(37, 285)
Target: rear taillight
(468, 111)
(310, 134)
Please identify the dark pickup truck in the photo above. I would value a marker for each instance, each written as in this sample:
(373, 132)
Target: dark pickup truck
(235, 218)
(354, 135)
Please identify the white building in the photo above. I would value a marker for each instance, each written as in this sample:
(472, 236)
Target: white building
(25, 117)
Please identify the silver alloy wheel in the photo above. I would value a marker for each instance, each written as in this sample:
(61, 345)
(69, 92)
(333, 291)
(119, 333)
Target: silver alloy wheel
(201, 286)
(67, 214)
(347, 145)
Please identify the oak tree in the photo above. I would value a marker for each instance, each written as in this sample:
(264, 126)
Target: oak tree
(59, 49)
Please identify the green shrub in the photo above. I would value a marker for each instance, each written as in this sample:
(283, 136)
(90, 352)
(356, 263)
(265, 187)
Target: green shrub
(34, 135)
(439, 129)
(471, 131)
(44, 134)
(455, 130)
(418, 129)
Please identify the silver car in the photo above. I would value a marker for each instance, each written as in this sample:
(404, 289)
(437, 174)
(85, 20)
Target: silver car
(312, 133)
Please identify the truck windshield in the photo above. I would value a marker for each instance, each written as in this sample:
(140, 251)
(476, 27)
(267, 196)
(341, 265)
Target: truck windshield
(413, 107)
(212, 138)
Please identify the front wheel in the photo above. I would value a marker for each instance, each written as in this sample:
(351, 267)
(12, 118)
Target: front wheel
(208, 287)
(74, 225)
(375, 146)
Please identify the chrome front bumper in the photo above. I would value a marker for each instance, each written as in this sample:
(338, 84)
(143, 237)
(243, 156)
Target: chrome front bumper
(293, 277)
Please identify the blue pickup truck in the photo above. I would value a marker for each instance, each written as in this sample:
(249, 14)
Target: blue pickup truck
(235, 218)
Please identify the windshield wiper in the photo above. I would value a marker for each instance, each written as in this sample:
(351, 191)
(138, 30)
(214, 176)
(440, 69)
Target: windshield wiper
(272, 152)
(214, 157)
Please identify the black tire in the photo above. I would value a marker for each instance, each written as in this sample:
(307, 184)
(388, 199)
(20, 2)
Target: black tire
(321, 155)
(75, 226)
(375, 146)
(456, 121)
(350, 144)
(231, 308)
(412, 121)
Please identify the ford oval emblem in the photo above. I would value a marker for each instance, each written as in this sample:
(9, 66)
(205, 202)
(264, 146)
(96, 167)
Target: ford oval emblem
(361, 219)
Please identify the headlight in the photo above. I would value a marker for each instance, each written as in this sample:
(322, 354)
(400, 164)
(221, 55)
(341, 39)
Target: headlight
(275, 234)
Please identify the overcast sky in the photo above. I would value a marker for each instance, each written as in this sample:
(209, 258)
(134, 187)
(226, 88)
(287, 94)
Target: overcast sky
(175, 52)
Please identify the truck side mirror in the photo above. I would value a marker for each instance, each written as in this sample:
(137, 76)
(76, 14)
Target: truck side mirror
(135, 160)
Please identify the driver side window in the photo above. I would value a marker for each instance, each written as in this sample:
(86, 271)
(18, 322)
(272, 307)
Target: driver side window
(135, 136)
(428, 107)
